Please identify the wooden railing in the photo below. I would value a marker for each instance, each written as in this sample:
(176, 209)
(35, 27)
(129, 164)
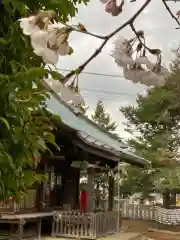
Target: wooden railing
(27, 203)
(87, 226)
(107, 223)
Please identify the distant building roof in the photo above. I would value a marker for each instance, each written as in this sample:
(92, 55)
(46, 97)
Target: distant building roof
(90, 132)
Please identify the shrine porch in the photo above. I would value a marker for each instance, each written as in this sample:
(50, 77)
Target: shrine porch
(22, 226)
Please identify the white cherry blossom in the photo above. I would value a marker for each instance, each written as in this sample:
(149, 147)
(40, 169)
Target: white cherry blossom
(49, 56)
(49, 45)
(34, 23)
(59, 41)
(71, 95)
(28, 25)
(39, 39)
(122, 59)
(64, 49)
(142, 76)
(154, 79)
(136, 66)
(134, 74)
(39, 42)
(122, 53)
(66, 93)
(143, 60)
(123, 45)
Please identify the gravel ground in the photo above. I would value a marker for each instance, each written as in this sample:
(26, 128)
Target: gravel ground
(143, 227)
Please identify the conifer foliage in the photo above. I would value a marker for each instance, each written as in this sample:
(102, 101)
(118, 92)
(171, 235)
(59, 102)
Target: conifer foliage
(154, 122)
(102, 118)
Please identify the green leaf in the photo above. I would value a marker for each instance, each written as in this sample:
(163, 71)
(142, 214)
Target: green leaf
(3, 120)
(56, 75)
(71, 51)
(21, 77)
(3, 41)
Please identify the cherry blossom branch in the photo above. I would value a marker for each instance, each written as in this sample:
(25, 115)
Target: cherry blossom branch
(138, 37)
(85, 31)
(170, 12)
(106, 39)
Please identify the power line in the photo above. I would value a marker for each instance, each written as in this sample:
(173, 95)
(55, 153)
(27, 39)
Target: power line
(102, 98)
(105, 95)
(99, 91)
(96, 74)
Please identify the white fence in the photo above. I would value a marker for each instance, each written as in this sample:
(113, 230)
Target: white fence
(150, 213)
(137, 211)
(167, 216)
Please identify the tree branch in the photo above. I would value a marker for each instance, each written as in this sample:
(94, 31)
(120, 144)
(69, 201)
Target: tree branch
(170, 12)
(85, 32)
(106, 39)
(138, 37)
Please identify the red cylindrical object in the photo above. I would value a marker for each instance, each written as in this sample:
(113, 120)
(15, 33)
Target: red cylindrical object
(84, 201)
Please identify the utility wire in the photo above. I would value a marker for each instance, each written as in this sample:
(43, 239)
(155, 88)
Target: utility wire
(96, 74)
(100, 91)
(103, 99)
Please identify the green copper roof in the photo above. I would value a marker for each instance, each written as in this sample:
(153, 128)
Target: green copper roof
(90, 132)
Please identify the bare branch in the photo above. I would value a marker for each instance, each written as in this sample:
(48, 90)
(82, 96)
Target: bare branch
(107, 38)
(170, 12)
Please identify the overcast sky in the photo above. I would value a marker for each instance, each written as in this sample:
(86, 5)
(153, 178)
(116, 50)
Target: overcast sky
(159, 30)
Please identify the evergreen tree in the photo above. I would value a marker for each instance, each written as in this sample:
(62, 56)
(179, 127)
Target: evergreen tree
(102, 118)
(156, 118)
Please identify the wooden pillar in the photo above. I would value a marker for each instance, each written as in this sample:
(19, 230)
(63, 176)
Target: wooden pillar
(111, 193)
(77, 190)
(90, 190)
